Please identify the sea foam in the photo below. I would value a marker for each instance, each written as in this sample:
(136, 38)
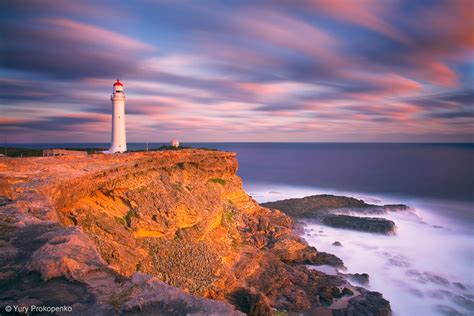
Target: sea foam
(424, 269)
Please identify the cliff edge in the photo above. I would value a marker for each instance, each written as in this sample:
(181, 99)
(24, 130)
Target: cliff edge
(160, 232)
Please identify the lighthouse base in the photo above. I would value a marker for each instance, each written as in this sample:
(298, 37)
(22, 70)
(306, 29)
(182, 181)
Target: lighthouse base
(115, 151)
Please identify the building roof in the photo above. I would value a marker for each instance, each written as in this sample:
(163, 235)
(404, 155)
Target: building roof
(118, 83)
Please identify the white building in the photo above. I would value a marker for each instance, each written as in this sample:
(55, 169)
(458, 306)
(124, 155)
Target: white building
(174, 142)
(119, 141)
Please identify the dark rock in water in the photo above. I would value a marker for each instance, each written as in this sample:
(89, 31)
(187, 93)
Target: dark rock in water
(301, 207)
(448, 311)
(416, 292)
(436, 279)
(374, 304)
(324, 258)
(396, 207)
(328, 209)
(361, 278)
(315, 205)
(337, 243)
(399, 261)
(446, 293)
(367, 224)
(464, 302)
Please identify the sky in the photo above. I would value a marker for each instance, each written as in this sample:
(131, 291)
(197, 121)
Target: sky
(229, 71)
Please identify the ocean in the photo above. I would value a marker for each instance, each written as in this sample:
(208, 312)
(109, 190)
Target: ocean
(427, 267)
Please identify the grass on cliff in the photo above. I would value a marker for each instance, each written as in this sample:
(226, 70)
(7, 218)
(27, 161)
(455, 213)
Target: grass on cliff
(218, 180)
(128, 217)
(29, 152)
(20, 152)
(17, 152)
(228, 214)
(142, 190)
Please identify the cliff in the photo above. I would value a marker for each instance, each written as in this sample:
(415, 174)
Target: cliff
(163, 232)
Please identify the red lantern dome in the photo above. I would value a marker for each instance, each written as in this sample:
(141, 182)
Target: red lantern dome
(118, 83)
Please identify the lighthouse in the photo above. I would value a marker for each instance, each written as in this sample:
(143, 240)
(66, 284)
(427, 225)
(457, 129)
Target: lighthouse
(119, 141)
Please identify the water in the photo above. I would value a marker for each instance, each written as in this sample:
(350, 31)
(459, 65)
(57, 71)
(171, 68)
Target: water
(426, 268)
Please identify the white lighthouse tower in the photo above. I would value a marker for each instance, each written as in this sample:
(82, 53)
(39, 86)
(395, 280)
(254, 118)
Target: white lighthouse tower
(119, 141)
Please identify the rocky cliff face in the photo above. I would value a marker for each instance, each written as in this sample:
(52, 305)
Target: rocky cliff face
(159, 232)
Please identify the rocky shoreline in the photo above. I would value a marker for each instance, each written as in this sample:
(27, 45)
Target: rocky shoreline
(159, 233)
(340, 212)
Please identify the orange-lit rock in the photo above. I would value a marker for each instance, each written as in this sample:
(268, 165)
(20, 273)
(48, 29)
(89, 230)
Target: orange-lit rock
(178, 217)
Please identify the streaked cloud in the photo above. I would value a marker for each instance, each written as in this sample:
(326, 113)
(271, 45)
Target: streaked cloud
(246, 71)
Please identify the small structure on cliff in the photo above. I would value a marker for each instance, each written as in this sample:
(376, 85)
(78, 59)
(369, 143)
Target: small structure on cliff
(119, 140)
(174, 143)
(63, 152)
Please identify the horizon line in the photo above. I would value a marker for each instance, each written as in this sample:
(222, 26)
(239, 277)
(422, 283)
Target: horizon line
(253, 142)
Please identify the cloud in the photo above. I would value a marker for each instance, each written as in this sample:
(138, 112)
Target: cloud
(26, 8)
(68, 49)
(84, 34)
(370, 14)
(447, 100)
(14, 89)
(275, 70)
(432, 48)
(465, 114)
(76, 122)
(278, 29)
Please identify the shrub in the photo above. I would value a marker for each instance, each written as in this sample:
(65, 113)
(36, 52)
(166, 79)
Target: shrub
(218, 180)
(228, 216)
(128, 217)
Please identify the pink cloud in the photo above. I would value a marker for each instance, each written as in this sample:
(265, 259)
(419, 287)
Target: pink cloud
(397, 84)
(9, 120)
(393, 111)
(366, 13)
(277, 88)
(89, 34)
(279, 29)
(438, 73)
(451, 37)
(443, 34)
(385, 86)
(235, 53)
